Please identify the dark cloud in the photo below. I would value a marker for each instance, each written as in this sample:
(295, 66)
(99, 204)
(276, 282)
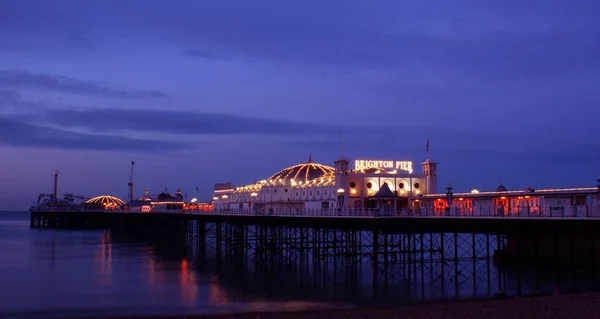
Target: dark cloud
(179, 122)
(202, 54)
(22, 79)
(9, 97)
(18, 134)
(512, 40)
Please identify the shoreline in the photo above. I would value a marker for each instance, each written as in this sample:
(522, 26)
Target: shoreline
(578, 305)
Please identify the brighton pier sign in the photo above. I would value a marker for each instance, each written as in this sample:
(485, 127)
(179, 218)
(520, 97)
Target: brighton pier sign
(379, 164)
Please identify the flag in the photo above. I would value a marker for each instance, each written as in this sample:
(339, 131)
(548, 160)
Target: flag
(427, 145)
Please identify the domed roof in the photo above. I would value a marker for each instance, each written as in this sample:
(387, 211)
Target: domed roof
(303, 172)
(106, 200)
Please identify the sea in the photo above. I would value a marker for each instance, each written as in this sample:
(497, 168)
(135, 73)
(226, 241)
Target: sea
(50, 273)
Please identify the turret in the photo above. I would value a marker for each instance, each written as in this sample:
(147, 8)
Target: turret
(341, 181)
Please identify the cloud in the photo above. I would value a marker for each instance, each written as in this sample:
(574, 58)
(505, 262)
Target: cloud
(514, 39)
(22, 79)
(15, 133)
(179, 122)
(202, 54)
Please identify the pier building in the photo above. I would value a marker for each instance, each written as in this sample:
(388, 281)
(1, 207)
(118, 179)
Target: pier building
(370, 184)
(392, 187)
(105, 202)
(165, 202)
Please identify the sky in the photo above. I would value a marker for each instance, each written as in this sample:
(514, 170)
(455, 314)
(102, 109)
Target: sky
(199, 92)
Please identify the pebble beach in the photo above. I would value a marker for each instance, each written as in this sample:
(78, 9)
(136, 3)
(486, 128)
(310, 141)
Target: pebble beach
(583, 305)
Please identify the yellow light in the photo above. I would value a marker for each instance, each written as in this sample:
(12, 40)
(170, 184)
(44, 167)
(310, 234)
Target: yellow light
(194, 200)
(474, 191)
(353, 191)
(340, 191)
(225, 196)
(254, 194)
(417, 192)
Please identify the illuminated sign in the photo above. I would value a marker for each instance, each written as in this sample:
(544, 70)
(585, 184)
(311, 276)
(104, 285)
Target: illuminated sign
(223, 186)
(390, 165)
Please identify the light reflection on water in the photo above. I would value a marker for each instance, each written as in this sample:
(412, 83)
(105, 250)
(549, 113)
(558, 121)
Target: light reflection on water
(61, 272)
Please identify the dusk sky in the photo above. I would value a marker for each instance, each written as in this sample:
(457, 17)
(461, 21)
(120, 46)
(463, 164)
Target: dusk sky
(202, 92)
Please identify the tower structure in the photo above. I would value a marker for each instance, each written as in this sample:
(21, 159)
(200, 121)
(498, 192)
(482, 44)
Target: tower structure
(341, 180)
(55, 191)
(341, 176)
(430, 171)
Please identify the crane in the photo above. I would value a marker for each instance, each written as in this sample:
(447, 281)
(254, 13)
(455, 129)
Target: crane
(130, 184)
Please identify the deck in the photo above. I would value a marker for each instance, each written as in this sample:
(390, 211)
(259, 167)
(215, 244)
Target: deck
(484, 220)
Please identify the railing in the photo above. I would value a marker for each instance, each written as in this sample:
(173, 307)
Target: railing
(553, 212)
(580, 211)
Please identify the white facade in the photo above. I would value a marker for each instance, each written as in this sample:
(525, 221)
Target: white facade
(321, 187)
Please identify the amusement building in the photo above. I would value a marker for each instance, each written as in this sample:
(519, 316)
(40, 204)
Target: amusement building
(371, 184)
(385, 185)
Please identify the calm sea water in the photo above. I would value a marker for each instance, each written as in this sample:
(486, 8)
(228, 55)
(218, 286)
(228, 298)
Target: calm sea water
(61, 273)
(65, 273)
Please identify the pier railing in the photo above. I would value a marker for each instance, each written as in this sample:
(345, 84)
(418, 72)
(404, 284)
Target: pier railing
(553, 212)
(580, 211)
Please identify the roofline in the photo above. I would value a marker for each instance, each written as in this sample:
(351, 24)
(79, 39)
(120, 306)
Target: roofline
(555, 191)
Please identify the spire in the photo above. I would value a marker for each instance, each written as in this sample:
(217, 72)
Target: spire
(428, 153)
(341, 143)
(310, 158)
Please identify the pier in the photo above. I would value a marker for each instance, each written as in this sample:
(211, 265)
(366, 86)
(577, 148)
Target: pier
(550, 236)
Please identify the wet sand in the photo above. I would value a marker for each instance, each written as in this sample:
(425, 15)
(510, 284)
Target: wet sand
(583, 305)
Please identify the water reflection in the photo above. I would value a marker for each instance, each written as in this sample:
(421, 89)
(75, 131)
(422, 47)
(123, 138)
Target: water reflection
(105, 258)
(189, 286)
(217, 294)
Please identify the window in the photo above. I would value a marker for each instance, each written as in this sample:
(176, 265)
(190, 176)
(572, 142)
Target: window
(401, 185)
(352, 184)
(318, 193)
(369, 185)
(416, 185)
(285, 190)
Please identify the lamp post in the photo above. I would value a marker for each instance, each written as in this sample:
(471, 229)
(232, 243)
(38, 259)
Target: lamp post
(253, 196)
(215, 205)
(340, 197)
(449, 196)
